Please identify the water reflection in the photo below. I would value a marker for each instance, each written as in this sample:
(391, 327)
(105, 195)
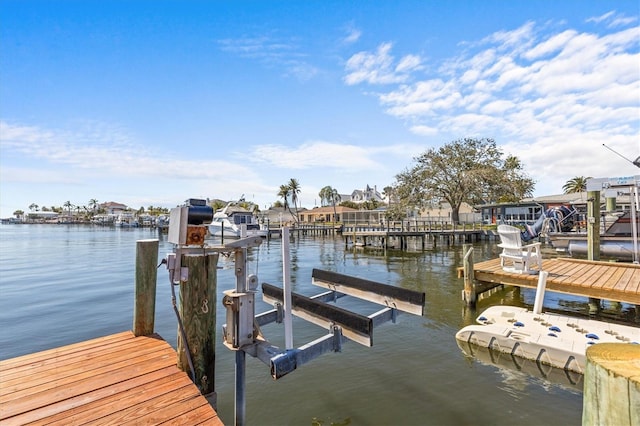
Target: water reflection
(517, 373)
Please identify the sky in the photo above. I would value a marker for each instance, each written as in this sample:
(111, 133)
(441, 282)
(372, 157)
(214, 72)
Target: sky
(149, 103)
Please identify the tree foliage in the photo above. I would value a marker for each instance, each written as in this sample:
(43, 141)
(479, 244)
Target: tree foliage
(466, 170)
(576, 184)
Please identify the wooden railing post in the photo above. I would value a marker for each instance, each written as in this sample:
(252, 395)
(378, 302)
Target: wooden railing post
(144, 309)
(198, 313)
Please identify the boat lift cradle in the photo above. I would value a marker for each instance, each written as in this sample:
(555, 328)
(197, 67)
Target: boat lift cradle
(242, 332)
(342, 324)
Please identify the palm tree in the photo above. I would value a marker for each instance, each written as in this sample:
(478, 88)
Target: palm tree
(68, 205)
(577, 184)
(33, 206)
(284, 194)
(294, 188)
(93, 204)
(324, 195)
(329, 196)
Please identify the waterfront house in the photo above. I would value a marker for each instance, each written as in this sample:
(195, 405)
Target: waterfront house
(280, 215)
(113, 208)
(441, 213)
(367, 194)
(324, 214)
(41, 216)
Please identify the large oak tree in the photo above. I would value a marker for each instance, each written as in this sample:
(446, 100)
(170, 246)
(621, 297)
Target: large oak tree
(468, 170)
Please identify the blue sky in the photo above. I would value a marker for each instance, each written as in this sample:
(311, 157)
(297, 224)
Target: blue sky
(153, 102)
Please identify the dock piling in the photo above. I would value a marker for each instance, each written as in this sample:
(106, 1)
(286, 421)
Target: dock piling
(145, 291)
(612, 385)
(198, 313)
(469, 293)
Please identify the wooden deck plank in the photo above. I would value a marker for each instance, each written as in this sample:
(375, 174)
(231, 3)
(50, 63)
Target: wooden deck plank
(176, 408)
(65, 366)
(606, 278)
(110, 380)
(590, 275)
(83, 371)
(80, 406)
(64, 350)
(145, 407)
(33, 397)
(618, 282)
(624, 281)
(610, 284)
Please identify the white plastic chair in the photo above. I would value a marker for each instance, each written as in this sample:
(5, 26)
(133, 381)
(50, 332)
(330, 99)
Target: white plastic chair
(515, 257)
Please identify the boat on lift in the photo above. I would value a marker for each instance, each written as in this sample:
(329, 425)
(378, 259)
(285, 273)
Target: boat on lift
(232, 220)
(616, 240)
(619, 230)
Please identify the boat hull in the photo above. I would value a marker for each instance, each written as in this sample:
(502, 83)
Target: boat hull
(230, 231)
(610, 246)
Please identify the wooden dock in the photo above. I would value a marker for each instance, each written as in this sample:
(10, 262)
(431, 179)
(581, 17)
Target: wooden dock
(119, 379)
(618, 282)
(398, 238)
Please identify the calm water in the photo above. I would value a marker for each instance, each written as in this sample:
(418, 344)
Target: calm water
(63, 284)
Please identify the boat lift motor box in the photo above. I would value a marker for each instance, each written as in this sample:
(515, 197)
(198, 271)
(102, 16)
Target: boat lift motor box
(187, 223)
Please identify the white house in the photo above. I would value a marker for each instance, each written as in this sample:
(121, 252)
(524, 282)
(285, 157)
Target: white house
(367, 194)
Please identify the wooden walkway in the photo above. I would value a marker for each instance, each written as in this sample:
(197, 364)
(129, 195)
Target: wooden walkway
(619, 282)
(118, 379)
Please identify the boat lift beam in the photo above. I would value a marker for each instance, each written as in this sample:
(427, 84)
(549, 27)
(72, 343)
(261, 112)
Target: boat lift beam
(342, 325)
(356, 327)
(394, 297)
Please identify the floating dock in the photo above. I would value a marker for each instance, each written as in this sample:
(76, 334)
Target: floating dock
(118, 379)
(557, 340)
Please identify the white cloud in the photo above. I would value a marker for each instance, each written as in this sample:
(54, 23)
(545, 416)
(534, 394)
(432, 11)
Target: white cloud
(424, 130)
(102, 148)
(317, 154)
(353, 35)
(613, 19)
(378, 67)
(283, 54)
(551, 97)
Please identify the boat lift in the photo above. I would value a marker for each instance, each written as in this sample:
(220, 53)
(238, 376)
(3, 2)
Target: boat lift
(242, 332)
(622, 185)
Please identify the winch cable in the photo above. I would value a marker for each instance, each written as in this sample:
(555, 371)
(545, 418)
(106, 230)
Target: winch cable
(183, 333)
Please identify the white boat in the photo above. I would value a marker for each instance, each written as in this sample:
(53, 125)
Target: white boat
(616, 238)
(557, 340)
(126, 220)
(230, 221)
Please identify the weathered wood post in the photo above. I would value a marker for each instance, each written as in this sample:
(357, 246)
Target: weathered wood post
(593, 237)
(144, 309)
(612, 385)
(593, 225)
(198, 312)
(469, 293)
